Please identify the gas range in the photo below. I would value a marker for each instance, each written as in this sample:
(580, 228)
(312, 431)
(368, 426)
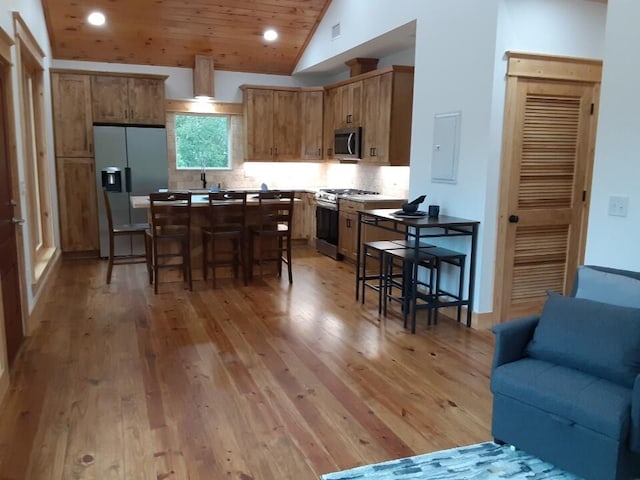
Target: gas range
(331, 195)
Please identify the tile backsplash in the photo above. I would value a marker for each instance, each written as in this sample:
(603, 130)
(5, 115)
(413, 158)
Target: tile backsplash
(392, 181)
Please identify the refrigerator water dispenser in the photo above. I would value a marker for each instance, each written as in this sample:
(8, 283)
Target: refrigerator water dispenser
(112, 179)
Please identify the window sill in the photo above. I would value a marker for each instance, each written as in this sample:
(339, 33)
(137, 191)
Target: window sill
(41, 267)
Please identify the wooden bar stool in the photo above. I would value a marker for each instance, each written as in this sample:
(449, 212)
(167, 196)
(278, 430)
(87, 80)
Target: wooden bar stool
(271, 237)
(227, 222)
(128, 230)
(170, 224)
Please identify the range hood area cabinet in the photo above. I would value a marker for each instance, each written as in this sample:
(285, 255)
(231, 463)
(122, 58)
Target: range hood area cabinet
(282, 124)
(74, 105)
(381, 103)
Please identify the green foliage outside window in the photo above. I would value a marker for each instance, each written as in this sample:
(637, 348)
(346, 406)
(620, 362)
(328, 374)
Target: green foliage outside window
(202, 141)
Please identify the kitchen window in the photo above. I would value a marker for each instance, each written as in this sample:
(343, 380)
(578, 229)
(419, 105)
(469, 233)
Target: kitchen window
(202, 141)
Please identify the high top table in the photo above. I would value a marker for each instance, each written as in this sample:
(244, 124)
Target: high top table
(416, 229)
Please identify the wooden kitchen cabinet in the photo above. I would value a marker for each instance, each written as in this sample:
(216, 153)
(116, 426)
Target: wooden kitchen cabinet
(331, 109)
(348, 227)
(312, 103)
(388, 103)
(128, 100)
(78, 205)
(304, 217)
(377, 118)
(73, 123)
(380, 102)
(272, 124)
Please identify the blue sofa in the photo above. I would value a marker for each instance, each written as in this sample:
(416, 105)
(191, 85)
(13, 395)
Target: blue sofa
(566, 383)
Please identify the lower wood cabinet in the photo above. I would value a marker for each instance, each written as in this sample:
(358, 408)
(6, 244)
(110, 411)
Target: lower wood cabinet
(348, 226)
(304, 217)
(78, 205)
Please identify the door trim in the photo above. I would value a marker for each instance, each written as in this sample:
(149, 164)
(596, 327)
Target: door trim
(541, 67)
(12, 151)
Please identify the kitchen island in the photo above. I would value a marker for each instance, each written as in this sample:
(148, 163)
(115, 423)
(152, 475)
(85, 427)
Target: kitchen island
(200, 218)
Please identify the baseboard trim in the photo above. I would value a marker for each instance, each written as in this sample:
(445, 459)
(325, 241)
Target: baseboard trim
(479, 321)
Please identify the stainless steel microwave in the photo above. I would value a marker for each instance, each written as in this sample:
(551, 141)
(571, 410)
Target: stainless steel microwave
(348, 143)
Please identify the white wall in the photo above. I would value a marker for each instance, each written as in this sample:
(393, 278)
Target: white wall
(32, 14)
(612, 241)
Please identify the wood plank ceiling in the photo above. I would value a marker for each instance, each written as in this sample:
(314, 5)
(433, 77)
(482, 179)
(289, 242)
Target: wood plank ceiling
(171, 32)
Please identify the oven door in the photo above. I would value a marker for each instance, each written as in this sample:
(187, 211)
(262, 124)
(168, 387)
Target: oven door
(327, 223)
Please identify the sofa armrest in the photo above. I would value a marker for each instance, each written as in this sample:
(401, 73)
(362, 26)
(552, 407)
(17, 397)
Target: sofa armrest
(634, 434)
(512, 338)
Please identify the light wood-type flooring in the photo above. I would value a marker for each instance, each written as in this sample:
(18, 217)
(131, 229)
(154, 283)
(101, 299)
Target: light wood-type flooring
(263, 382)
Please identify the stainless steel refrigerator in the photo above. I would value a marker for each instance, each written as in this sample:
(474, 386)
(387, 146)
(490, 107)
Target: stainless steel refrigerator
(130, 161)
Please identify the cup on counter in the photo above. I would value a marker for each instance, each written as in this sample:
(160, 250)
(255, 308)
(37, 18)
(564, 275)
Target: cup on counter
(433, 211)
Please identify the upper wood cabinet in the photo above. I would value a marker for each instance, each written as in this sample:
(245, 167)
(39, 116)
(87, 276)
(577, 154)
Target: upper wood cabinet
(331, 109)
(381, 103)
(387, 120)
(128, 100)
(377, 118)
(73, 125)
(350, 102)
(272, 124)
(311, 102)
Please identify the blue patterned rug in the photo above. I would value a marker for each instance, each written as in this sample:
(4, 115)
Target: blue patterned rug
(483, 461)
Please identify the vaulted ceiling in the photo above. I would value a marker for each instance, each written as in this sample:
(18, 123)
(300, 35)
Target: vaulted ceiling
(171, 32)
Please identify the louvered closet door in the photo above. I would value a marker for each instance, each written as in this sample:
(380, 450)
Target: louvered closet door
(551, 129)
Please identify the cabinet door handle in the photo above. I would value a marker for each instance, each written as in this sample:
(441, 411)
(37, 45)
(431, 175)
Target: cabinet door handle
(319, 151)
(126, 114)
(131, 114)
(276, 150)
(271, 151)
(329, 152)
(514, 219)
(349, 118)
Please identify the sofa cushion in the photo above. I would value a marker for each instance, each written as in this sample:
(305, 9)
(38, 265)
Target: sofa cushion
(596, 338)
(607, 286)
(569, 395)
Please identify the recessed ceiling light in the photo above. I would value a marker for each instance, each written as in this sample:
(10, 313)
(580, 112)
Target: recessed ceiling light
(270, 35)
(96, 18)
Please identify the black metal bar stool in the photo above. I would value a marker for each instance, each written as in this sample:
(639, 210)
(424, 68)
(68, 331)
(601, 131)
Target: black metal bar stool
(375, 250)
(456, 259)
(404, 259)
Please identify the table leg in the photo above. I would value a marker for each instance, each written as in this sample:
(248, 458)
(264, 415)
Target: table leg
(472, 272)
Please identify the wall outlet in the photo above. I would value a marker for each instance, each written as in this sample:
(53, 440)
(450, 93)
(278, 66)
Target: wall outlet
(618, 206)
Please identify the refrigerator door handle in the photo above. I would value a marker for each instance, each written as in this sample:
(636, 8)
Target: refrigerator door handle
(127, 178)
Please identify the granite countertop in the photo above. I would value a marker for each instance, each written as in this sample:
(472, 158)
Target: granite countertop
(373, 198)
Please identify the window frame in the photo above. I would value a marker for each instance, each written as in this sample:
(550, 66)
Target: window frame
(39, 204)
(229, 140)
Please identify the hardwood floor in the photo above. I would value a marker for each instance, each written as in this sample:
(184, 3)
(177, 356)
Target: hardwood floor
(260, 382)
